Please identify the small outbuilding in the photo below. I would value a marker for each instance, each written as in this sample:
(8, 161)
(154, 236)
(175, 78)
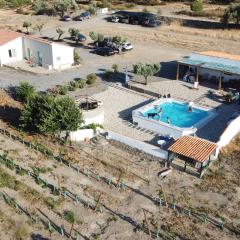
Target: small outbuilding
(194, 152)
(219, 67)
(16, 46)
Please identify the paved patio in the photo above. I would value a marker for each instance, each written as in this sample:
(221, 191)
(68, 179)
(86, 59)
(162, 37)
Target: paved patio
(119, 103)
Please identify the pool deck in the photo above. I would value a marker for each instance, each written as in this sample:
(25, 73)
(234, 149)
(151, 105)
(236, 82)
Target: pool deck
(119, 103)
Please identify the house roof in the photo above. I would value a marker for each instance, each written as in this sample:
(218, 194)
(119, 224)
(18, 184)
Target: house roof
(7, 36)
(221, 55)
(195, 148)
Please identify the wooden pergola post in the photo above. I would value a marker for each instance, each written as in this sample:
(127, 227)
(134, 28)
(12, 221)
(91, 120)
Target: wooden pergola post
(220, 82)
(197, 74)
(177, 75)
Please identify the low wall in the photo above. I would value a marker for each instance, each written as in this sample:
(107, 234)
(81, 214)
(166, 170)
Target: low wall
(229, 133)
(162, 128)
(145, 147)
(81, 135)
(94, 116)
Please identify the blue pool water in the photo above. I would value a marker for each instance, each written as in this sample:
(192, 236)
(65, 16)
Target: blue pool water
(178, 114)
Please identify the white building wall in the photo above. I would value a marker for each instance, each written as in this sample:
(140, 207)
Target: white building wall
(18, 49)
(35, 46)
(63, 56)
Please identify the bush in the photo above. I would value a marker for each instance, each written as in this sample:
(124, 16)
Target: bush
(24, 92)
(82, 83)
(21, 233)
(91, 78)
(197, 6)
(63, 90)
(74, 84)
(92, 10)
(77, 58)
(115, 68)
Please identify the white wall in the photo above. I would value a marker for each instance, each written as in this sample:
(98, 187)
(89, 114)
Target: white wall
(94, 116)
(4, 55)
(63, 56)
(229, 133)
(142, 146)
(45, 50)
(82, 134)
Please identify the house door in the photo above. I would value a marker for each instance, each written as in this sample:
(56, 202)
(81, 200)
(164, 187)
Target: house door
(39, 59)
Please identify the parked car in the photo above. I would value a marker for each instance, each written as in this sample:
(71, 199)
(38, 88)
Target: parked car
(66, 18)
(105, 51)
(83, 16)
(124, 20)
(152, 23)
(115, 19)
(127, 46)
(81, 38)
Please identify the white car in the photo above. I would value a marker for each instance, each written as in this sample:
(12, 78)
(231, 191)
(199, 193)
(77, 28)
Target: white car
(127, 46)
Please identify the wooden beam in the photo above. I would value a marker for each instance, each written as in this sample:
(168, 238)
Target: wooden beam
(177, 76)
(197, 74)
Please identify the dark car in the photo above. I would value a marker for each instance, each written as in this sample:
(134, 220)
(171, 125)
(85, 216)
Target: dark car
(81, 38)
(152, 23)
(66, 18)
(104, 51)
(124, 20)
(83, 16)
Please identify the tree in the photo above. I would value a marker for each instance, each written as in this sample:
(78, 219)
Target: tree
(62, 6)
(49, 115)
(96, 37)
(76, 57)
(146, 70)
(60, 32)
(74, 32)
(197, 6)
(25, 91)
(118, 40)
(27, 25)
(70, 217)
(39, 27)
(232, 14)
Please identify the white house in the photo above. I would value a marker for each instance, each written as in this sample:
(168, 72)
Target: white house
(16, 47)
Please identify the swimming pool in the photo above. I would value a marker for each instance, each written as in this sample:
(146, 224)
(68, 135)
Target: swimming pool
(168, 116)
(177, 113)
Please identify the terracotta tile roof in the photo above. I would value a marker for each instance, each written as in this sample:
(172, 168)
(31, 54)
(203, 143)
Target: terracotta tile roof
(221, 55)
(7, 36)
(193, 147)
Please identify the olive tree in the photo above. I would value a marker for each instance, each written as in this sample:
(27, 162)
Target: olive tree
(27, 25)
(49, 115)
(60, 32)
(63, 6)
(146, 70)
(232, 14)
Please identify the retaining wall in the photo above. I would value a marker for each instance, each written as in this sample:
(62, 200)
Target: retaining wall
(142, 146)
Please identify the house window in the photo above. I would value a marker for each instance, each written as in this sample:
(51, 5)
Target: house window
(58, 59)
(12, 53)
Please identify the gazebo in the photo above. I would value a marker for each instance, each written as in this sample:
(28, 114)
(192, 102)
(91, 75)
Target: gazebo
(194, 151)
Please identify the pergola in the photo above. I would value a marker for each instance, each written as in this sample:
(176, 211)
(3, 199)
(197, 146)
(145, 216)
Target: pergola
(192, 148)
(213, 61)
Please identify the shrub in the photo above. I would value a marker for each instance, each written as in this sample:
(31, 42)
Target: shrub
(145, 10)
(91, 78)
(63, 90)
(92, 10)
(21, 233)
(24, 92)
(197, 6)
(232, 14)
(77, 58)
(82, 83)
(115, 68)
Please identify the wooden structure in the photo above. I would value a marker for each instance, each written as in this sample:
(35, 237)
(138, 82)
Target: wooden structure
(192, 150)
(222, 63)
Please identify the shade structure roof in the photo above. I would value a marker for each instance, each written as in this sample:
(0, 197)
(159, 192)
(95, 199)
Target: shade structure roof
(195, 148)
(213, 65)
